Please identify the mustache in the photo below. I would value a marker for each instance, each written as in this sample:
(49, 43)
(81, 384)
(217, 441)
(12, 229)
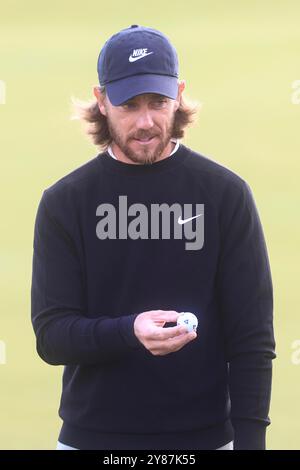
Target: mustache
(144, 136)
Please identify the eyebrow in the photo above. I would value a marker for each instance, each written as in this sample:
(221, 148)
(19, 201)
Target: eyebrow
(152, 95)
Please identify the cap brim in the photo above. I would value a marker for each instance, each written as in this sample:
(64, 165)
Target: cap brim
(122, 90)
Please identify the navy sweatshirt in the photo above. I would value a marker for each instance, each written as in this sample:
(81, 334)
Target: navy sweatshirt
(114, 239)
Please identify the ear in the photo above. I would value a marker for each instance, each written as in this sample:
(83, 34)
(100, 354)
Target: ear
(100, 98)
(181, 87)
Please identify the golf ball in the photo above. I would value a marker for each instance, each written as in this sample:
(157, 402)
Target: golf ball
(189, 320)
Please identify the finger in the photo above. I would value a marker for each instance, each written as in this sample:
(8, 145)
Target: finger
(173, 344)
(157, 337)
(166, 315)
(182, 339)
(176, 344)
(163, 334)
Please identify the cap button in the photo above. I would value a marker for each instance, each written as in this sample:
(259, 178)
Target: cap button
(134, 26)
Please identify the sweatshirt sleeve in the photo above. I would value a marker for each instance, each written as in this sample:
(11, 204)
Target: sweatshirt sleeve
(64, 333)
(245, 295)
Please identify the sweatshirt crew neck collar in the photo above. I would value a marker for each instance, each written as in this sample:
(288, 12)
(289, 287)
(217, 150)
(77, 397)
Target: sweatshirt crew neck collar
(118, 166)
(176, 142)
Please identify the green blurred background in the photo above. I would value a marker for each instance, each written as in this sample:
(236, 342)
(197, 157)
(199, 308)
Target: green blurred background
(239, 59)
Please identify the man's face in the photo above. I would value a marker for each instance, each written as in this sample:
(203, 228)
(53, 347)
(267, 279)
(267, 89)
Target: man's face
(141, 128)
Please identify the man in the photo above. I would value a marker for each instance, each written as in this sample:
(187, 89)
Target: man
(125, 243)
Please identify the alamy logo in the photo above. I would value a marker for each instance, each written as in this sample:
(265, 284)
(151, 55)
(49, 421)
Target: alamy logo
(138, 54)
(137, 222)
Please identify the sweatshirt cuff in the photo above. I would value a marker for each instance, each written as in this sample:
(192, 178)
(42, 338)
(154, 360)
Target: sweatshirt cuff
(126, 330)
(249, 435)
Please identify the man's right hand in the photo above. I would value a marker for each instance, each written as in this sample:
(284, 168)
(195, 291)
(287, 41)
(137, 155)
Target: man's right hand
(148, 328)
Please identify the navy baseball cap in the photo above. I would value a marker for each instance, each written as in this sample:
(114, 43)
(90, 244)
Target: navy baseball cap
(138, 60)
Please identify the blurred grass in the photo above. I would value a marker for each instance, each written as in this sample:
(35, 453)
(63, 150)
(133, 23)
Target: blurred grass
(239, 59)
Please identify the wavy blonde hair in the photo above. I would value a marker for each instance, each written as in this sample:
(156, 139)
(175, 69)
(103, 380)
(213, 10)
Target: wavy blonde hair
(96, 127)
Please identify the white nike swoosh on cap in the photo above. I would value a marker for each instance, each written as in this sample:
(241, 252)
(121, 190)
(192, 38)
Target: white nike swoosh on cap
(133, 59)
(180, 221)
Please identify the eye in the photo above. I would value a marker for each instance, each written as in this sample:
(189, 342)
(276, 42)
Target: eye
(129, 105)
(160, 102)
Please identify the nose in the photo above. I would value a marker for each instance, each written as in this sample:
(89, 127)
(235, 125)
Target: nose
(144, 119)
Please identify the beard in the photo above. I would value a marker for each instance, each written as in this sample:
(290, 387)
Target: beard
(144, 155)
